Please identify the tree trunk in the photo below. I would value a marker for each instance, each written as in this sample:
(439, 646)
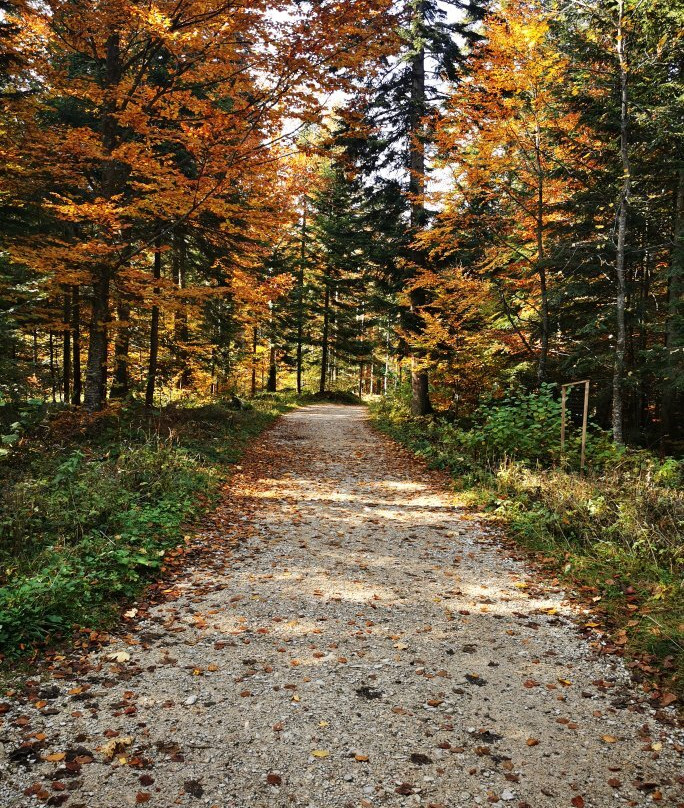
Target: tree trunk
(325, 338)
(95, 392)
(674, 331)
(53, 380)
(96, 369)
(541, 266)
(120, 377)
(300, 299)
(77, 387)
(272, 384)
(420, 399)
(254, 360)
(154, 329)
(66, 347)
(181, 332)
(620, 340)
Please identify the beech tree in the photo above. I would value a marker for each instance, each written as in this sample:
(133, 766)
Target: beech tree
(160, 115)
(511, 144)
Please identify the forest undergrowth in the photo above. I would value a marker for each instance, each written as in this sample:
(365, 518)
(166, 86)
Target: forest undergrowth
(93, 505)
(613, 535)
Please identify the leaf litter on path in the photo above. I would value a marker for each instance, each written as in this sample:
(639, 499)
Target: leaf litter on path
(340, 634)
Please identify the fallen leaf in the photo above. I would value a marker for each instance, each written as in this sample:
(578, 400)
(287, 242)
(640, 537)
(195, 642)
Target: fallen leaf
(532, 741)
(320, 753)
(577, 802)
(115, 747)
(120, 656)
(55, 757)
(609, 738)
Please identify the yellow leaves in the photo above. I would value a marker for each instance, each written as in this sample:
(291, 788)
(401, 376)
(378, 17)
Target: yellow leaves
(120, 656)
(115, 746)
(609, 739)
(320, 753)
(55, 757)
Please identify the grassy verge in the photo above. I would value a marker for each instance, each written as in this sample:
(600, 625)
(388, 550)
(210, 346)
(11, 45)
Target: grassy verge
(615, 535)
(91, 505)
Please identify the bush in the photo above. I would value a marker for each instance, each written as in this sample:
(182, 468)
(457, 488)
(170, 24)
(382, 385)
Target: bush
(88, 530)
(523, 425)
(86, 520)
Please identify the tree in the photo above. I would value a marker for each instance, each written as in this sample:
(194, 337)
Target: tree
(511, 146)
(161, 115)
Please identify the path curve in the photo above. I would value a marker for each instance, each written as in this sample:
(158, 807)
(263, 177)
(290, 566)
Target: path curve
(347, 637)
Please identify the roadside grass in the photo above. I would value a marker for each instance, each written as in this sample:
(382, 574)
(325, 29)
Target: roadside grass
(91, 505)
(615, 535)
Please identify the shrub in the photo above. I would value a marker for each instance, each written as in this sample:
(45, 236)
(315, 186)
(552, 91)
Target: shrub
(85, 520)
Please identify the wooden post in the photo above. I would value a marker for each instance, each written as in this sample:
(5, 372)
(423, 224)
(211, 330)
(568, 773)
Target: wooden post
(585, 416)
(563, 397)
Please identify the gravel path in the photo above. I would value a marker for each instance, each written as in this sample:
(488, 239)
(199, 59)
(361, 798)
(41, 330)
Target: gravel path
(347, 637)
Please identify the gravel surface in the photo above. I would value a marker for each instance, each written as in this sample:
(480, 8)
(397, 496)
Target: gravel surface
(345, 637)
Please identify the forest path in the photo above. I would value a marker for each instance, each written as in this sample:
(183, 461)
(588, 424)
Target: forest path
(349, 638)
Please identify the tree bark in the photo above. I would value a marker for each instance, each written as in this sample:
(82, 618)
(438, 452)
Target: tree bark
(77, 387)
(254, 360)
(96, 371)
(120, 376)
(621, 291)
(66, 348)
(95, 393)
(325, 348)
(420, 399)
(300, 299)
(53, 380)
(272, 383)
(154, 329)
(181, 332)
(674, 339)
(541, 266)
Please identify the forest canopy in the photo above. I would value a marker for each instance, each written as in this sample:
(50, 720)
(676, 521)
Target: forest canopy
(211, 197)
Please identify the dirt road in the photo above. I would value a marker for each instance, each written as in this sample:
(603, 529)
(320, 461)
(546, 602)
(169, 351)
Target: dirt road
(346, 637)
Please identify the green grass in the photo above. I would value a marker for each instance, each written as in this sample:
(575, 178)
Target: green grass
(615, 535)
(91, 505)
